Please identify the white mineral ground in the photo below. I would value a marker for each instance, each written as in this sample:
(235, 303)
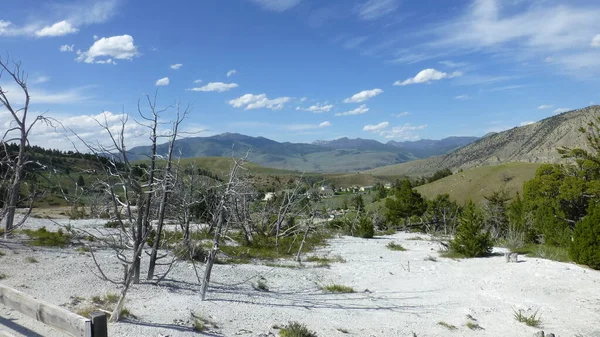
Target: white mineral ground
(391, 299)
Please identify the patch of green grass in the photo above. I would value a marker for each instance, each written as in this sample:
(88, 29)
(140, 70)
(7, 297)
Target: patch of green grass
(112, 224)
(533, 320)
(264, 248)
(261, 285)
(430, 258)
(31, 259)
(447, 326)
(323, 259)
(83, 250)
(281, 265)
(200, 323)
(86, 311)
(43, 237)
(337, 288)
(295, 329)
(554, 253)
(473, 326)
(395, 246)
(389, 231)
(450, 254)
(2, 253)
(3, 276)
(126, 313)
(342, 330)
(416, 238)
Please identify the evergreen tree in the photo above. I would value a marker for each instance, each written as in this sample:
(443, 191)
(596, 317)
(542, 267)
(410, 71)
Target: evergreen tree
(470, 239)
(585, 248)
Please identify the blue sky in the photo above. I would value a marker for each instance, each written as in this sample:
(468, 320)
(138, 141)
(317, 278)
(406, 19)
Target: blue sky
(302, 70)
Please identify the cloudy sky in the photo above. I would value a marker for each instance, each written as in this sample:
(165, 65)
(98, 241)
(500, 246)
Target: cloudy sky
(302, 70)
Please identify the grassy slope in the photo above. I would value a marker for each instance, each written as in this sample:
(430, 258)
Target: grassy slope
(222, 165)
(478, 182)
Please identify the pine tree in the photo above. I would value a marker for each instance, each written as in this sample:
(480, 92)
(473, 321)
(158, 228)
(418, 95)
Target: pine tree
(470, 239)
(585, 248)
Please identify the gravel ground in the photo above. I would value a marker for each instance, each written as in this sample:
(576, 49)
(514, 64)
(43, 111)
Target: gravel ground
(397, 293)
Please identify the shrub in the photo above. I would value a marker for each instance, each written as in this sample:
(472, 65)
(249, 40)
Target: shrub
(395, 246)
(338, 288)
(262, 285)
(447, 326)
(112, 224)
(585, 248)
(470, 239)
(31, 259)
(365, 228)
(77, 212)
(190, 250)
(532, 320)
(295, 329)
(42, 237)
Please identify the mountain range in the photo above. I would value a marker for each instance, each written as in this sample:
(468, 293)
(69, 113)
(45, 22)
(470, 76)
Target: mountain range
(534, 143)
(340, 155)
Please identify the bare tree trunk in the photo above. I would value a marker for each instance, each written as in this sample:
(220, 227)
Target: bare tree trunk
(220, 220)
(165, 196)
(212, 255)
(19, 117)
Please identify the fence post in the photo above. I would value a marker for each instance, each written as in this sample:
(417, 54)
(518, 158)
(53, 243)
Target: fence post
(99, 326)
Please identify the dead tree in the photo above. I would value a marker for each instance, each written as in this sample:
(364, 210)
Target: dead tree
(18, 132)
(166, 187)
(219, 219)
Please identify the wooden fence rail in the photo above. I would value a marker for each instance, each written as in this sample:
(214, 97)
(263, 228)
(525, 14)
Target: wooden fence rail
(53, 315)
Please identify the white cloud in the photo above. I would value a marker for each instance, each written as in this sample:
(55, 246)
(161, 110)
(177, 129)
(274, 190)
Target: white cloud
(363, 96)
(40, 79)
(358, 111)
(302, 127)
(86, 127)
(545, 106)
(402, 114)
(561, 110)
(58, 29)
(375, 9)
(428, 75)
(277, 5)
(404, 132)
(526, 123)
(95, 37)
(198, 81)
(176, 66)
(525, 30)
(376, 127)
(452, 64)
(74, 14)
(251, 101)
(115, 47)
(231, 72)
(462, 97)
(66, 48)
(595, 41)
(162, 82)
(216, 87)
(303, 99)
(317, 108)
(40, 96)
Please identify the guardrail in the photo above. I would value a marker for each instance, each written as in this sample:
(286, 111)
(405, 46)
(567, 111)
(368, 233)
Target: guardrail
(53, 315)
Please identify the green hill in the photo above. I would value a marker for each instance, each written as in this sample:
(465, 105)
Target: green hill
(478, 182)
(534, 143)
